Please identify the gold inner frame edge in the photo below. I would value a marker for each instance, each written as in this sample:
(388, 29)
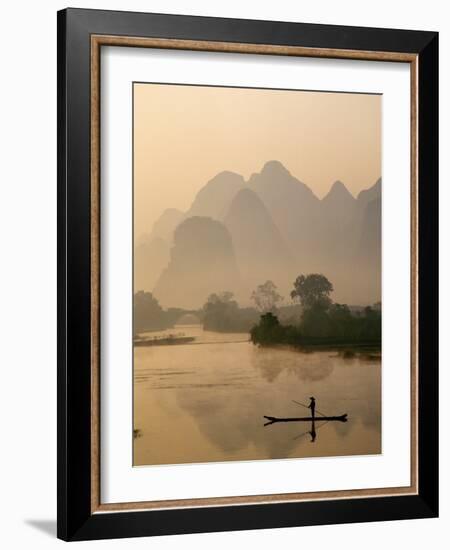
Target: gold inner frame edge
(97, 41)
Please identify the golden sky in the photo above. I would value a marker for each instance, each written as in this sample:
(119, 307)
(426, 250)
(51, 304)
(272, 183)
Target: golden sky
(185, 135)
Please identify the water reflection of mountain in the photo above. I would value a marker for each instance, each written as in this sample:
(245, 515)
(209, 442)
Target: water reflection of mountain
(232, 425)
(272, 363)
(233, 420)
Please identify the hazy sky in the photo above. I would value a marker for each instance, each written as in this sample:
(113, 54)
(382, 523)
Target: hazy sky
(185, 135)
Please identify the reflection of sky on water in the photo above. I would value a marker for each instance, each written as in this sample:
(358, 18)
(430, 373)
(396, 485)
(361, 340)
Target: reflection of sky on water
(207, 402)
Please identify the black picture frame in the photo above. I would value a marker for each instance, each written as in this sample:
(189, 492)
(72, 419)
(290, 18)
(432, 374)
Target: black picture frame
(75, 518)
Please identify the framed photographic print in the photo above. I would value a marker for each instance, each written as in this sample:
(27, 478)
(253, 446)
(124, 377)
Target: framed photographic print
(247, 254)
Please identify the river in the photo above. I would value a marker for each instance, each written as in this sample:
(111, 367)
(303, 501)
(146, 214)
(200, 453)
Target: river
(205, 401)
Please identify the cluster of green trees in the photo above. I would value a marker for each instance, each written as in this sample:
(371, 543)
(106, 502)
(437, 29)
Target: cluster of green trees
(148, 314)
(221, 313)
(315, 320)
(322, 322)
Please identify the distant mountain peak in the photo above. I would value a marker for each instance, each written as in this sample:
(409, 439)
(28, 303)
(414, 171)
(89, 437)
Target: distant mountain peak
(170, 213)
(214, 198)
(338, 185)
(370, 193)
(226, 175)
(273, 177)
(375, 187)
(274, 168)
(245, 205)
(338, 191)
(165, 225)
(256, 239)
(202, 261)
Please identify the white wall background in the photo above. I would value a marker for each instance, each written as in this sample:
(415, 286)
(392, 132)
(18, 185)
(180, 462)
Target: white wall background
(28, 274)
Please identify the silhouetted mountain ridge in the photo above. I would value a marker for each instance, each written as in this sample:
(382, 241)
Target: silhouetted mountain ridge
(338, 194)
(271, 227)
(257, 242)
(166, 224)
(214, 199)
(202, 261)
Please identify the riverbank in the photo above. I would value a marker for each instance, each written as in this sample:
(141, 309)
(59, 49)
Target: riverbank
(321, 329)
(345, 350)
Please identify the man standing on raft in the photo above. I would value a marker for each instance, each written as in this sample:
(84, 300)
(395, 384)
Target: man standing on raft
(312, 406)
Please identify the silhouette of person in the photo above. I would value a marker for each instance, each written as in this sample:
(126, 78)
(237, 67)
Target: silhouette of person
(312, 406)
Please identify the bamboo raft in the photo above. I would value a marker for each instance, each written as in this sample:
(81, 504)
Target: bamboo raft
(341, 418)
(170, 340)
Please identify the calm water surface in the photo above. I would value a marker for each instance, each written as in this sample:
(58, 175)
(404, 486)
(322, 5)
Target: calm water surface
(205, 401)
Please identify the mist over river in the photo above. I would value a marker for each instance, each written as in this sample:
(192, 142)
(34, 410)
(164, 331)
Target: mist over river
(204, 401)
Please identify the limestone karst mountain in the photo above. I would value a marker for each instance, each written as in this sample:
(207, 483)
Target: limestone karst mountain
(258, 244)
(238, 234)
(151, 251)
(342, 223)
(214, 199)
(338, 202)
(367, 195)
(166, 224)
(335, 226)
(369, 224)
(150, 258)
(293, 206)
(368, 257)
(202, 261)
(362, 200)
(370, 233)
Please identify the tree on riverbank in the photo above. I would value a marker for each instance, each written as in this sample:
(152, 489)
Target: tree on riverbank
(321, 322)
(221, 313)
(313, 291)
(148, 314)
(269, 331)
(266, 297)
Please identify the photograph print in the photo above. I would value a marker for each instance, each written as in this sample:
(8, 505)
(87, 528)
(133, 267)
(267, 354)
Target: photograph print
(257, 274)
